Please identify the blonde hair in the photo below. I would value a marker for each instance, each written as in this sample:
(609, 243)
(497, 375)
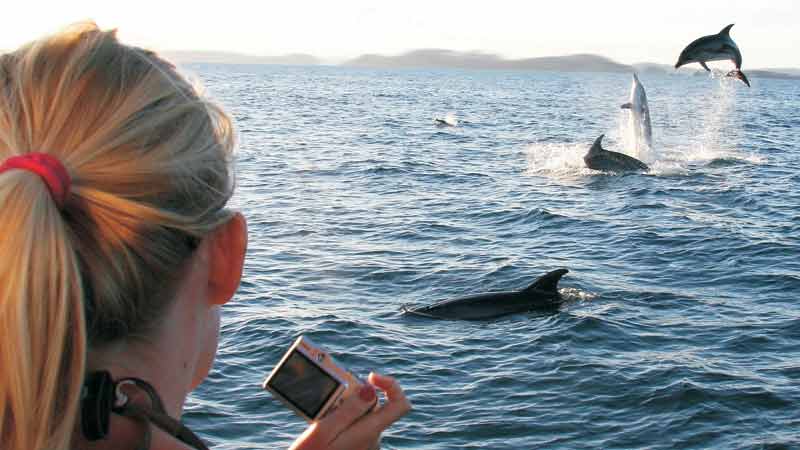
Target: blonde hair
(149, 161)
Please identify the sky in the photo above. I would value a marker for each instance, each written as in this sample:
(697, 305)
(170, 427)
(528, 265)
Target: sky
(335, 30)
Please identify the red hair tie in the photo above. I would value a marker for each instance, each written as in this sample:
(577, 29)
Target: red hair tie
(49, 169)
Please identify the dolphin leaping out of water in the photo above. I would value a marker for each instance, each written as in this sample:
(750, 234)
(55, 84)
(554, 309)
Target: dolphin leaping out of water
(541, 295)
(599, 158)
(714, 47)
(640, 115)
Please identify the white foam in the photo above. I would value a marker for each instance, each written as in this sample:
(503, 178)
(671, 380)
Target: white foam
(576, 295)
(450, 119)
(557, 159)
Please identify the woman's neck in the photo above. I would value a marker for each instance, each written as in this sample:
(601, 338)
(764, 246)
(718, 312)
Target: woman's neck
(161, 366)
(174, 358)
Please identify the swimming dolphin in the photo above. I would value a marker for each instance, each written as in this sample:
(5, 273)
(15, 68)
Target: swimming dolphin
(714, 47)
(449, 120)
(541, 295)
(640, 114)
(599, 158)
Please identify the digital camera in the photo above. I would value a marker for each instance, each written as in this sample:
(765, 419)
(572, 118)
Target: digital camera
(309, 381)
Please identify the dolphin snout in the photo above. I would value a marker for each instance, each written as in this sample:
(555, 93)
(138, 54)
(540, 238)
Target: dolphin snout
(682, 58)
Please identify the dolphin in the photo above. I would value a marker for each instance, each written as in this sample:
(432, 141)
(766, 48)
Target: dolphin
(640, 114)
(599, 158)
(448, 120)
(541, 295)
(714, 47)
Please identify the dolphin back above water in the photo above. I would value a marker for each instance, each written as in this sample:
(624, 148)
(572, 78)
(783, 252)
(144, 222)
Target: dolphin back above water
(639, 115)
(714, 47)
(541, 295)
(599, 158)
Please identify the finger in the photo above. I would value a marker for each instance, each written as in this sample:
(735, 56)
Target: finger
(394, 393)
(395, 407)
(387, 384)
(365, 433)
(320, 434)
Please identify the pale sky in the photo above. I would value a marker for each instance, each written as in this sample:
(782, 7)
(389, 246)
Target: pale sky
(626, 31)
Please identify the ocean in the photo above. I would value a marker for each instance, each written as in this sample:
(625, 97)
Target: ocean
(681, 322)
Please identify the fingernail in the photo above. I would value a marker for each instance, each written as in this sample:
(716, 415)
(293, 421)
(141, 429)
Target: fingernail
(367, 393)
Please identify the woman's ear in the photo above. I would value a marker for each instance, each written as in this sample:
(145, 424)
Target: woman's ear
(227, 246)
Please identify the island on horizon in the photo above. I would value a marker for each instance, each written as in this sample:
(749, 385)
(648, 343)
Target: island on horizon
(451, 59)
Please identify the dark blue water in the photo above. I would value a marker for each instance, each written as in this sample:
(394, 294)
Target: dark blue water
(682, 322)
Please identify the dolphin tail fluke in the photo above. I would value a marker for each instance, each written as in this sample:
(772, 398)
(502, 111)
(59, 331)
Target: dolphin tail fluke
(627, 106)
(726, 31)
(739, 75)
(547, 282)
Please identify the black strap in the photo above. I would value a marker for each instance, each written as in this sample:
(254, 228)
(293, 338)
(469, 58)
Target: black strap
(157, 416)
(98, 401)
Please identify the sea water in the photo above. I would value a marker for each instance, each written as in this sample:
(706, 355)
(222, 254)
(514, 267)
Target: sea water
(681, 324)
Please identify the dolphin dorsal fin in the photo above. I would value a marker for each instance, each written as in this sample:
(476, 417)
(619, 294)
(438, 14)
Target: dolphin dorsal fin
(547, 282)
(599, 141)
(726, 31)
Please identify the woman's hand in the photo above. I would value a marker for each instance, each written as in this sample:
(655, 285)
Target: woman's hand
(352, 426)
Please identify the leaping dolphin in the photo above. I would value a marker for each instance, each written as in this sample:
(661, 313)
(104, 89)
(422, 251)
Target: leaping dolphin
(599, 158)
(714, 47)
(640, 114)
(541, 295)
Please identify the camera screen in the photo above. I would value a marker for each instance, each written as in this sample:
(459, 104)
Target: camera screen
(304, 384)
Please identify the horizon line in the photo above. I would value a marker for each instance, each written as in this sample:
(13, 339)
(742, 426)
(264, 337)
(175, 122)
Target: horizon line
(343, 60)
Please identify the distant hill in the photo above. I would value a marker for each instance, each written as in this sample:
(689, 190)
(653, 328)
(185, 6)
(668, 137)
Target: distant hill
(654, 68)
(786, 74)
(438, 58)
(785, 70)
(572, 63)
(773, 73)
(430, 58)
(186, 57)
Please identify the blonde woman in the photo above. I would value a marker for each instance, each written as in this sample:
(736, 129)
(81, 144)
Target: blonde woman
(117, 252)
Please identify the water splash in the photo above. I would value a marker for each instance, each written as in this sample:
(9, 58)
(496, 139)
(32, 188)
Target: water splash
(713, 142)
(448, 119)
(557, 159)
(704, 140)
(574, 295)
(717, 115)
(632, 138)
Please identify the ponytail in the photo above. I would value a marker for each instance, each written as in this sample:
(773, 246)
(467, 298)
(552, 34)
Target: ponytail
(42, 331)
